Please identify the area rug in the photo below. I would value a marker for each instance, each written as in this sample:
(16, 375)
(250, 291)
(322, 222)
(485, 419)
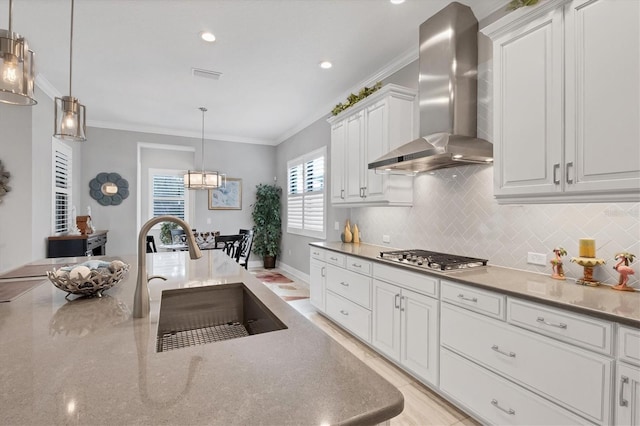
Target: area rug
(287, 289)
(10, 290)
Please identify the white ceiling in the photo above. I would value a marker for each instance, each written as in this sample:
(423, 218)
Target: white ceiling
(132, 59)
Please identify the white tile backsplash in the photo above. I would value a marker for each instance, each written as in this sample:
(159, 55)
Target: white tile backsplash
(454, 212)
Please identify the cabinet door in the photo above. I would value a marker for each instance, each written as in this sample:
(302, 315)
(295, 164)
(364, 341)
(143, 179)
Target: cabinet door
(602, 96)
(353, 159)
(627, 395)
(317, 284)
(337, 162)
(527, 69)
(386, 319)
(377, 144)
(419, 350)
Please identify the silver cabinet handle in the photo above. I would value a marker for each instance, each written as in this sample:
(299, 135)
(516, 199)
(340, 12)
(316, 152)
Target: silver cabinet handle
(345, 313)
(623, 402)
(397, 302)
(364, 192)
(468, 299)
(401, 307)
(509, 354)
(335, 259)
(556, 168)
(344, 284)
(569, 166)
(509, 411)
(559, 325)
(356, 265)
(322, 272)
(342, 194)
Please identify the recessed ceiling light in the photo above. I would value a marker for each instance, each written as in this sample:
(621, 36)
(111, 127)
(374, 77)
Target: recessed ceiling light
(396, 1)
(325, 65)
(207, 36)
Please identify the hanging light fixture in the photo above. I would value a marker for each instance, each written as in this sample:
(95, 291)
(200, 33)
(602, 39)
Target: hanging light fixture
(70, 115)
(201, 179)
(17, 71)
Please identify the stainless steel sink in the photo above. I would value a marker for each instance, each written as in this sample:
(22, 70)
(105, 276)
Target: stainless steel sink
(199, 315)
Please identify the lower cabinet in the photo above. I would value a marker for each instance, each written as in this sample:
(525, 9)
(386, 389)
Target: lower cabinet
(627, 400)
(351, 316)
(317, 276)
(405, 328)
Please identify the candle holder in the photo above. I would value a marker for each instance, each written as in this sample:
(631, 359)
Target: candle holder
(588, 263)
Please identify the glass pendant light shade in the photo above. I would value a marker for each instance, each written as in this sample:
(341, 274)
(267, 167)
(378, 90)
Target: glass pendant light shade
(70, 119)
(201, 179)
(17, 72)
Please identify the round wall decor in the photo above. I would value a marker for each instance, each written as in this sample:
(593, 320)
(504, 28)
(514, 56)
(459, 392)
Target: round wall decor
(4, 181)
(109, 189)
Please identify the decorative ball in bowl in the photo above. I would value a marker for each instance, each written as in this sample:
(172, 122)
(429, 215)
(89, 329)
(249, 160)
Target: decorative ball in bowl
(90, 278)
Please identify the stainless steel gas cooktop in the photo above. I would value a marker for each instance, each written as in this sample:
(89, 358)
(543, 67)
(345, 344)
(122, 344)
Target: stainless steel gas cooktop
(432, 260)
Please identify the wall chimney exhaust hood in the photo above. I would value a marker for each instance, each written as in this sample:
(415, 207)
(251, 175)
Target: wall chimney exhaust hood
(448, 98)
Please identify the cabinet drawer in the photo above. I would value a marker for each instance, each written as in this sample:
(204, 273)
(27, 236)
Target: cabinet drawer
(351, 316)
(478, 300)
(570, 376)
(579, 330)
(629, 345)
(421, 283)
(496, 400)
(355, 287)
(93, 242)
(359, 265)
(317, 253)
(335, 258)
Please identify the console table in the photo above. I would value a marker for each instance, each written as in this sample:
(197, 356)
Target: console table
(65, 245)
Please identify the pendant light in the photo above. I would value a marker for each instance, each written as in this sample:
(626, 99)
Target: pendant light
(70, 115)
(201, 179)
(16, 67)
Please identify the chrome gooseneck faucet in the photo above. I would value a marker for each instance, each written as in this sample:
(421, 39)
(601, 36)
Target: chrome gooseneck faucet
(141, 298)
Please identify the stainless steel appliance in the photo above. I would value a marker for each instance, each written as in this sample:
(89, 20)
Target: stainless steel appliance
(432, 260)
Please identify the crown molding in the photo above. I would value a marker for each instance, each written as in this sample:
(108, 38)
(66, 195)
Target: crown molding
(46, 86)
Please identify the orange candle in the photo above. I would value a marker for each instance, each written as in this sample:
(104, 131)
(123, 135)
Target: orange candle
(587, 247)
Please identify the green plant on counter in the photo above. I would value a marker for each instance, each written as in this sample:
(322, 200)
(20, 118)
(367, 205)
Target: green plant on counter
(165, 232)
(517, 4)
(352, 99)
(267, 231)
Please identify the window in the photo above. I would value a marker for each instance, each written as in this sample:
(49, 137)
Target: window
(168, 195)
(61, 156)
(306, 195)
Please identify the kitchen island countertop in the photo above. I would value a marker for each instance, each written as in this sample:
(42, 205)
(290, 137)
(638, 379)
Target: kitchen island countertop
(87, 361)
(601, 301)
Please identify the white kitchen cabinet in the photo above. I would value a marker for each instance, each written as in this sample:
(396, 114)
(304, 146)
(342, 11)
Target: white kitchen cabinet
(363, 133)
(317, 277)
(566, 102)
(627, 400)
(405, 328)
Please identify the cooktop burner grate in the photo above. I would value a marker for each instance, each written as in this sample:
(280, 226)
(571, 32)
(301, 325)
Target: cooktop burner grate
(432, 259)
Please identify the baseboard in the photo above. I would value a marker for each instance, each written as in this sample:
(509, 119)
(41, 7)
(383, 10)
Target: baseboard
(293, 271)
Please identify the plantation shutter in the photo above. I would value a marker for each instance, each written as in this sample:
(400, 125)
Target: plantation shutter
(168, 196)
(306, 195)
(62, 185)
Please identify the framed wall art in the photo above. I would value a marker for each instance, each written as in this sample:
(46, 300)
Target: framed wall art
(228, 197)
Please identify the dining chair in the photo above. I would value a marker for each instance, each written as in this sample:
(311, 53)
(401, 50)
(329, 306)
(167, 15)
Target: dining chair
(228, 243)
(244, 250)
(151, 244)
(176, 236)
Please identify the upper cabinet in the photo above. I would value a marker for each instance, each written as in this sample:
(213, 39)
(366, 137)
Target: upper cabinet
(566, 102)
(363, 133)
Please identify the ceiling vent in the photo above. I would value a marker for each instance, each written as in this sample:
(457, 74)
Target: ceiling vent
(212, 75)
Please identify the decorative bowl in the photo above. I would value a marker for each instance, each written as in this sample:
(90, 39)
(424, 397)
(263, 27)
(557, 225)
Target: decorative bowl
(89, 278)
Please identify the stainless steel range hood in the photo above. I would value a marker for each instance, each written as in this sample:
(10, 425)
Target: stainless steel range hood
(448, 98)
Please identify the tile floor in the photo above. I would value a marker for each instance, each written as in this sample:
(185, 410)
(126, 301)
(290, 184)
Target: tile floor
(422, 407)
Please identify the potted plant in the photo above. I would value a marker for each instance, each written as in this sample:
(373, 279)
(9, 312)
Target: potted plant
(267, 229)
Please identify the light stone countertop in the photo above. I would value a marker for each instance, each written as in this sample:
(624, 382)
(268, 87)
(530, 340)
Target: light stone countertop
(87, 361)
(601, 301)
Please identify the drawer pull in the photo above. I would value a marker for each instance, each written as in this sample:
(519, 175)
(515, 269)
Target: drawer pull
(559, 325)
(468, 299)
(335, 259)
(397, 303)
(509, 411)
(509, 354)
(345, 313)
(344, 284)
(623, 402)
(356, 265)
(323, 272)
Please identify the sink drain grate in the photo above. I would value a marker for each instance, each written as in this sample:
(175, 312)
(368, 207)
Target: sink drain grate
(200, 336)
